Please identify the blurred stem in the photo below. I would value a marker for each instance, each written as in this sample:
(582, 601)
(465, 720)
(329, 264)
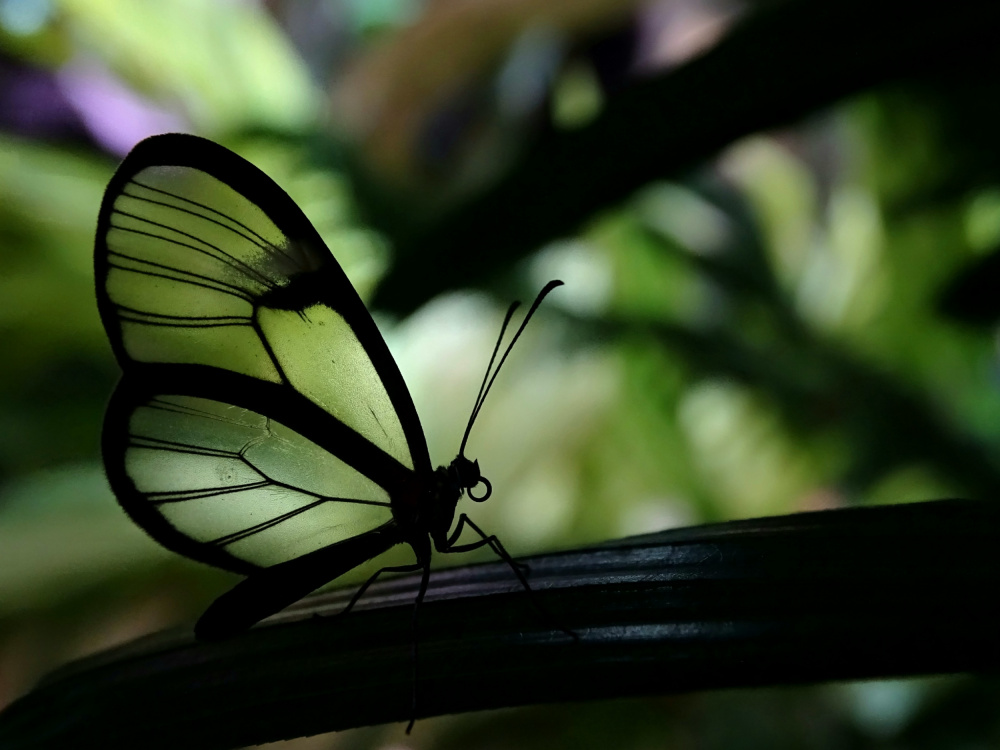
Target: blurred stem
(833, 595)
(785, 61)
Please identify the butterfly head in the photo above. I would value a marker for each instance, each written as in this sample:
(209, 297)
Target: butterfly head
(461, 477)
(466, 474)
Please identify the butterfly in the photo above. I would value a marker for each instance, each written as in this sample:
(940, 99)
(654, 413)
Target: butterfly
(261, 424)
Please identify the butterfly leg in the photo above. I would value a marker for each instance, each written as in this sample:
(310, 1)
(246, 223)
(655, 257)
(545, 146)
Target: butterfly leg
(491, 540)
(495, 545)
(424, 579)
(364, 586)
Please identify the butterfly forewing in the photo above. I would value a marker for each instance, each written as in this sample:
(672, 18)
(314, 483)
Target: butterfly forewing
(206, 261)
(183, 278)
(260, 415)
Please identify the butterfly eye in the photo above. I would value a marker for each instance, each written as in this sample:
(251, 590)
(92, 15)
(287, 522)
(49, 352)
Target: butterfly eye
(485, 495)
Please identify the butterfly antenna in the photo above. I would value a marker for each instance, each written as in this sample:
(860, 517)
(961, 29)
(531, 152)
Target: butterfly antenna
(486, 377)
(484, 389)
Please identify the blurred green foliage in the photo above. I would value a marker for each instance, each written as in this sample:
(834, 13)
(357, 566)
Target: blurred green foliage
(757, 335)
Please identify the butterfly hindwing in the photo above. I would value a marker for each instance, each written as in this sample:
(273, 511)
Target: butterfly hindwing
(260, 415)
(226, 485)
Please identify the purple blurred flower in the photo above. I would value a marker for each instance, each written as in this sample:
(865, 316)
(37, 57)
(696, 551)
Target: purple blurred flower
(115, 116)
(33, 104)
(80, 102)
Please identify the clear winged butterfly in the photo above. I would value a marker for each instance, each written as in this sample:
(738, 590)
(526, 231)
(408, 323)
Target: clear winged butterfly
(261, 424)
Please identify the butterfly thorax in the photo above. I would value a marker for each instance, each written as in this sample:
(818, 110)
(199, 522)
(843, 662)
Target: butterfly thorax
(437, 513)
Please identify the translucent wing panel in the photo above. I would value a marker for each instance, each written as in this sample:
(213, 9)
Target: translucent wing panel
(322, 358)
(203, 261)
(230, 480)
(183, 274)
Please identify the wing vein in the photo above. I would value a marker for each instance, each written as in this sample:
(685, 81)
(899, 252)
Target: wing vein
(182, 276)
(219, 254)
(180, 496)
(250, 233)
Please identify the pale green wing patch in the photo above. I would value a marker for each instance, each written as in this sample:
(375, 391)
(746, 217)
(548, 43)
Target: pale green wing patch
(322, 359)
(184, 274)
(231, 481)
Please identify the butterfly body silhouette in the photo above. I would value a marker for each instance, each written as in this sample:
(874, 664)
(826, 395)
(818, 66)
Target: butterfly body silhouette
(261, 424)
